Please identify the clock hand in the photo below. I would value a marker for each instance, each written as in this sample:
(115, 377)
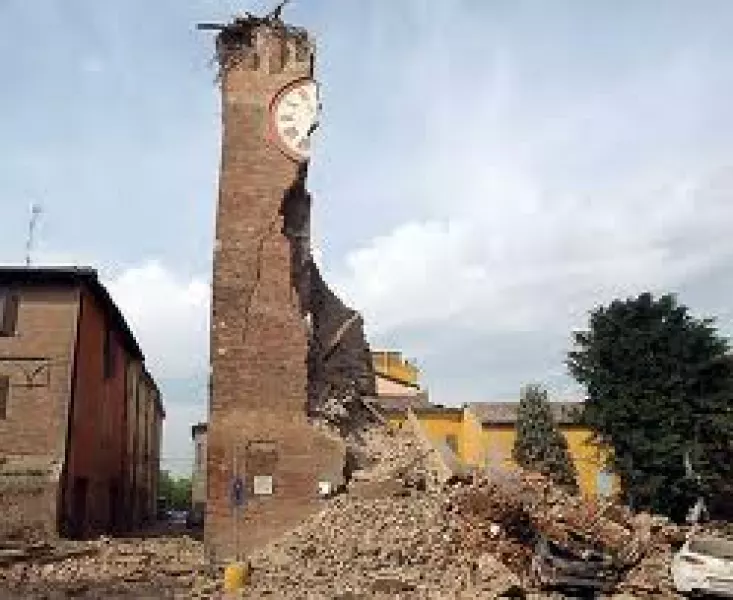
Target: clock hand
(312, 128)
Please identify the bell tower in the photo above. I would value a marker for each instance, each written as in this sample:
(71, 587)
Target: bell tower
(265, 461)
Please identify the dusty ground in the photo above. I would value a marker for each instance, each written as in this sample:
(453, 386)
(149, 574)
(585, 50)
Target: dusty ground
(397, 533)
(166, 563)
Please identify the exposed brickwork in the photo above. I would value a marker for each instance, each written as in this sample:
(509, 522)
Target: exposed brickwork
(259, 340)
(340, 370)
(34, 431)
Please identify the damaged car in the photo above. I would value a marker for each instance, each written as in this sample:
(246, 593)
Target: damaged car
(556, 567)
(704, 564)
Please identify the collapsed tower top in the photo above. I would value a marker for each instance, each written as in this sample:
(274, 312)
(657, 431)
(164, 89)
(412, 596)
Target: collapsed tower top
(252, 42)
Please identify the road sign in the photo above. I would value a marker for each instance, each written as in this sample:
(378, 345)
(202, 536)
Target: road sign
(262, 485)
(237, 492)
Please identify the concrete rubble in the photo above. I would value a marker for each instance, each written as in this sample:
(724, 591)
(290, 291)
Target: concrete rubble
(397, 531)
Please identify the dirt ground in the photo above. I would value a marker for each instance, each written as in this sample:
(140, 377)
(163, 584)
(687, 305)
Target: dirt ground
(166, 562)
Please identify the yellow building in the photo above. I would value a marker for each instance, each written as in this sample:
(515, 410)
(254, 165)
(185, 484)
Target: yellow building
(394, 375)
(482, 436)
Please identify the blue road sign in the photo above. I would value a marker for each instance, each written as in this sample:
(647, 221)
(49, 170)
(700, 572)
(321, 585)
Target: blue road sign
(237, 491)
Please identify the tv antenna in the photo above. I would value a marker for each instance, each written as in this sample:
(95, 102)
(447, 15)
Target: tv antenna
(36, 210)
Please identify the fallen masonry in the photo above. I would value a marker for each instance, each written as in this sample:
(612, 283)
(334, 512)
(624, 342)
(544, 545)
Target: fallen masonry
(399, 530)
(161, 567)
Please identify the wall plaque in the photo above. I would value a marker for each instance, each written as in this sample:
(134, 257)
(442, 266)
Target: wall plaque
(262, 485)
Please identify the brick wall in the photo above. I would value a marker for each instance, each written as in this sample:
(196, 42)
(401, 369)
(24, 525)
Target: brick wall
(134, 373)
(38, 361)
(258, 339)
(65, 436)
(94, 500)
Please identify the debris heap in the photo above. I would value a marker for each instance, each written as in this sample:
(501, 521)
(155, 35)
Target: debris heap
(159, 567)
(398, 532)
(395, 532)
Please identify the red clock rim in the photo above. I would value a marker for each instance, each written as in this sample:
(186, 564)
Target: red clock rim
(272, 127)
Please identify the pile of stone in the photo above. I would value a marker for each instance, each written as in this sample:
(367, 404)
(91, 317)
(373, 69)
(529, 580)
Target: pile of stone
(398, 532)
(505, 514)
(160, 567)
(388, 536)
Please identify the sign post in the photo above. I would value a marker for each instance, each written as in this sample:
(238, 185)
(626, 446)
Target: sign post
(235, 575)
(237, 498)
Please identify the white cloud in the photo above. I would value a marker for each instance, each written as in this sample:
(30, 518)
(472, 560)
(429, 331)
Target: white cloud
(533, 191)
(169, 315)
(527, 262)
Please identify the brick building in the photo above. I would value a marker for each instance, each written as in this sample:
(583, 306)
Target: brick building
(259, 432)
(80, 416)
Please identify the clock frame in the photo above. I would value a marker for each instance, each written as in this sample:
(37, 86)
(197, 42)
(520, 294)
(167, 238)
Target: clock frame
(274, 134)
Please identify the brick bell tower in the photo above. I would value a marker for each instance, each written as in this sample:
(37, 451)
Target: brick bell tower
(265, 461)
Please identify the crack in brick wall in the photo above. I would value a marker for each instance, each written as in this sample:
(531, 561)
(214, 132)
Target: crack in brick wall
(261, 241)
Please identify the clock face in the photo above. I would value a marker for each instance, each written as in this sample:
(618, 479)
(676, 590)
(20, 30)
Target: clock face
(294, 115)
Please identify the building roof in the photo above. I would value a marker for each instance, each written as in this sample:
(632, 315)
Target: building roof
(505, 413)
(158, 396)
(72, 277)
(198, 428)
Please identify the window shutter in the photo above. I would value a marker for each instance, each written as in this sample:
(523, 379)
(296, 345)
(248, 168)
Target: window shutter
(8, 313)
(4, 395)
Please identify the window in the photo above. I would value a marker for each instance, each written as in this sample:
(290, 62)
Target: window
(604, 483)
(109, 354)
(8, 312)
(452, 442)
(199, 457)
(4, 396)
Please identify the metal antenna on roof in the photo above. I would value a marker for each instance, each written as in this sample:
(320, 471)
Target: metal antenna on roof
(36, 210)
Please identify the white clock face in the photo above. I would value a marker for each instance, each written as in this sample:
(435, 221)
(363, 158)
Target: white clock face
(295, 116)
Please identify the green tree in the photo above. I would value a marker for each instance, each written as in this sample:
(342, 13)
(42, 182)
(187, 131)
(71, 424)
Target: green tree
(539, 445)
(176, 491)
(658, 387)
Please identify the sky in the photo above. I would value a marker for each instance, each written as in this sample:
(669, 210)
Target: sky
(485, 174)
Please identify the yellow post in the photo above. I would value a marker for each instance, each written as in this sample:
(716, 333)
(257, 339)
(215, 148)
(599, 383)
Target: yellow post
(236, 576)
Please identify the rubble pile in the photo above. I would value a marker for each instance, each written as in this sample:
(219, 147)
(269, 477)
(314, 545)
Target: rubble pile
(398, 532)
(394, 454)
(391, 535)
(162, 567)
(504, 513)
(524, 504)
(651, 576)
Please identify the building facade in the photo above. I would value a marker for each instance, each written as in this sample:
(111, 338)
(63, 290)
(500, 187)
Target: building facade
(70, 436)
(482, 436)
(395, 376)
